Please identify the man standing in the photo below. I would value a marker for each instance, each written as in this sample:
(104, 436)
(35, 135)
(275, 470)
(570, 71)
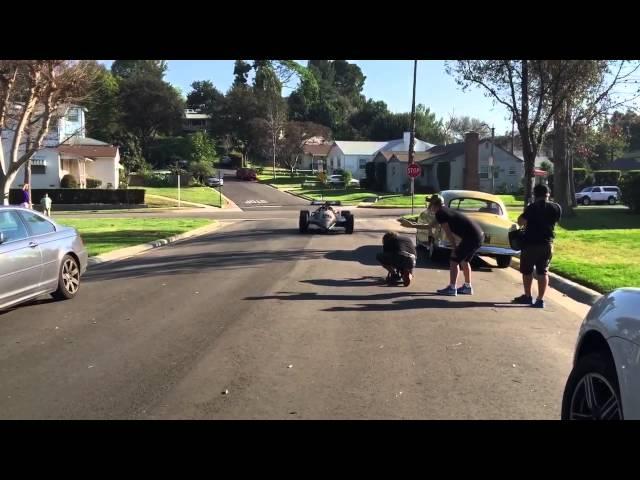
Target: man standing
(454, 222)
(539, 220)
(398, 257)
(45, 202)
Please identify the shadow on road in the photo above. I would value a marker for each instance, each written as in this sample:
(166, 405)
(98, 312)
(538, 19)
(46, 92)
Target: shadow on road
(196, 263)
(348, 282)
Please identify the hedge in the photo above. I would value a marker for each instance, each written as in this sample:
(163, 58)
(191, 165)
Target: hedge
(630, 187)
(75, 196)
(606, 177)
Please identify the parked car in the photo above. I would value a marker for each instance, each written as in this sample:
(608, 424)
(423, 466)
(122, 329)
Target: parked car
(486, 209)
(246, 174)
(38, 256)
(215, 182)
(599, 194)
(605, 381)
(339, 180)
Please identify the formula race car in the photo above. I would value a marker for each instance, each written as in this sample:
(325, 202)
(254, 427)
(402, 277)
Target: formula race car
(326, 218)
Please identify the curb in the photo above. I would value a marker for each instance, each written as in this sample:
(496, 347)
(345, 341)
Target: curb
(574, 290)
(136, 249)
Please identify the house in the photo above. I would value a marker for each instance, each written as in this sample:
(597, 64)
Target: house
(395, 169)
(354, 155)
(314, 156)
(67, 151)
(629, 161)
(194, 120)
(465, 165)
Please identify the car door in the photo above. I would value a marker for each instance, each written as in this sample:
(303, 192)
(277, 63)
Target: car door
(43, 232)
(596, 194)
(20, 260)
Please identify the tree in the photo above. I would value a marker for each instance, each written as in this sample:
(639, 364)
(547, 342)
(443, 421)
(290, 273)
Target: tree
(201, 148)
(456, 128)
(629, 123)
(103, 115)
(274, 117)
(200, 170)
(296, 134)
(203, 95)
(146, 68)
(531, 90)
(241, 71)
(33, 95)
(240, 107)
(150, 106)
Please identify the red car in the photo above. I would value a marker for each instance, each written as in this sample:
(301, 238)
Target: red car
(246, 174)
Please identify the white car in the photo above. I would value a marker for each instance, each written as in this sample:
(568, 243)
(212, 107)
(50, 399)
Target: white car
(605, 381)
(606, 194)
(215, 182)
(338, 180)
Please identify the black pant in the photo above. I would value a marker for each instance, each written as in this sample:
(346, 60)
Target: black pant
(465, 250)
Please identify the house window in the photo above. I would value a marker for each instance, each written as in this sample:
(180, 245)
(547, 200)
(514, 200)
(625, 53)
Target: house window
(484, 171)
(512, 171)
(393, 170)
(73, 115)
(363, 163)
(339, 163)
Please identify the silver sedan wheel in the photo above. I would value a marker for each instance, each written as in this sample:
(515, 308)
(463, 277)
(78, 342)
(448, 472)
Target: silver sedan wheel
(70, 276)
(594, 398)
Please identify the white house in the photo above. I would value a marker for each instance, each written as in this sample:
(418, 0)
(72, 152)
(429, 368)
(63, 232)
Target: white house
(66, 150)
(353, 156)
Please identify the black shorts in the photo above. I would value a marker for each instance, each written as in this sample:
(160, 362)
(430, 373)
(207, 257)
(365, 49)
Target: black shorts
(396, 260)
(538, 255)
(465, 251)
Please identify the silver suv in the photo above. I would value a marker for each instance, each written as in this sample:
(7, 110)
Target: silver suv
(598, 194)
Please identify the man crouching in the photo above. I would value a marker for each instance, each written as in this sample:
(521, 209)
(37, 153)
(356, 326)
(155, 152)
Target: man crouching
(398, 257)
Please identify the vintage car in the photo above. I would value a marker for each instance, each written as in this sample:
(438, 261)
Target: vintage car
(326, 218)
(487, 210)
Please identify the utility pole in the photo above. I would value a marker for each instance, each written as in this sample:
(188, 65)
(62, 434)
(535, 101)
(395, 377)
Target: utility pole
(493, 186)
(413, 129)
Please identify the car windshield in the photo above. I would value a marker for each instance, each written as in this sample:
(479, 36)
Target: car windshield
(586, 189)
(475, 205)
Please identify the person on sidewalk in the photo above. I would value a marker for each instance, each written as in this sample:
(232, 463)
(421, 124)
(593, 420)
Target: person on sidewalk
(539, 220)
(398, 257)
(45, 203)
(26, 197)
(454, 222)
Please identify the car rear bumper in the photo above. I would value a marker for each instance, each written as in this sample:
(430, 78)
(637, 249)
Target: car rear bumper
(487, 250)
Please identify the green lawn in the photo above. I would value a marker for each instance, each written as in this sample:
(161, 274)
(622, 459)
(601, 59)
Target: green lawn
(204, 195)
(102, 235)
(598, 248)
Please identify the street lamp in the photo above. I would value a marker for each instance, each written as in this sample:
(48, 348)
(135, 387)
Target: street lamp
(491, 159)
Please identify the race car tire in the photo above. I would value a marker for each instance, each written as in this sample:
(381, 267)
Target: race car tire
(349, 221)
(304, 221)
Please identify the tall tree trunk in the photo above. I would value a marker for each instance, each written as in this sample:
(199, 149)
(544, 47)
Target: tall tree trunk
(560, 160)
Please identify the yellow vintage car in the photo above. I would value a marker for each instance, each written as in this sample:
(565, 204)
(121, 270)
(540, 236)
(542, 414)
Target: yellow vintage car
(486, 209)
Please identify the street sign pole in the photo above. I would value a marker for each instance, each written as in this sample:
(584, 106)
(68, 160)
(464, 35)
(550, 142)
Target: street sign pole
(219, 188)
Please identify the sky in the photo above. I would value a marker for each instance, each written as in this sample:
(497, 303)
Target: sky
(388, 80)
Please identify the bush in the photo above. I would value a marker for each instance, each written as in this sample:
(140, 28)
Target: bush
(93, 183)
(606, 177)
(68, 181)
(582, 178)
(347, 176)
(157, 180)
(418, 188)
(630, 187)
(70, 196)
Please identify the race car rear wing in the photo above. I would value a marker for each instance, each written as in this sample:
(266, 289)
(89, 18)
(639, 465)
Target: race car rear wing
(333, 203)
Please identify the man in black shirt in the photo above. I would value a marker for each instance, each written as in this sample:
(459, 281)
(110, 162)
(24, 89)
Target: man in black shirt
(398, 257)
(539, 220)
(454, 222)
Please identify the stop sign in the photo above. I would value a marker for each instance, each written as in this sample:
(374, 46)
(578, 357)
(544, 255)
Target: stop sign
(413, 170)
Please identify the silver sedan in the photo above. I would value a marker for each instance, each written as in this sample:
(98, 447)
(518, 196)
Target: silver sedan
(37, 256)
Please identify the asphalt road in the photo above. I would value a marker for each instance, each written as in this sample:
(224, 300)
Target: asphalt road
(256, 321)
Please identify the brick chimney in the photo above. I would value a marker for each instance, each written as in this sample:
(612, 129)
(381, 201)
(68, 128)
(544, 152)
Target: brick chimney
(471, 173)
